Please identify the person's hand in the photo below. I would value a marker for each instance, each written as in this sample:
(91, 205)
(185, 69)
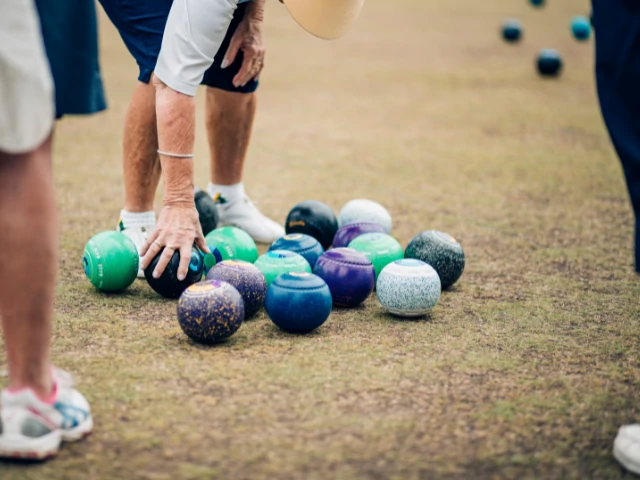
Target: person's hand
(178, 228)
(249, 39)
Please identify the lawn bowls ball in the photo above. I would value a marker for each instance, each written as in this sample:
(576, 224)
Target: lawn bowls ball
(348, 273)
(110, 261)
(298, 302)
(210, 311)
(441, 251)
(408, 288)
(581, 28)
(512, 30)
(362, 210)
(168, 284)
(207, 211)
(277, 262)
(380, 248)
(549, 63)
(347, 233)
(229, 243)
(302, 244)
(244, 277)
(313, 218)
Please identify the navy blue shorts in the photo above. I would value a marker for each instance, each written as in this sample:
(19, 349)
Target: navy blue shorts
(617, 31)
(70, 34)
(141, 25)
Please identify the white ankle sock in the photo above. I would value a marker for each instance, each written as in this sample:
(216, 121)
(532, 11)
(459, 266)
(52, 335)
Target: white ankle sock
(137, 219)
(226, 193)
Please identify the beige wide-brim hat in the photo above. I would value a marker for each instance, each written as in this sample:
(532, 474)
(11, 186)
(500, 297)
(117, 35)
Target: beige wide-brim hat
(328, 19)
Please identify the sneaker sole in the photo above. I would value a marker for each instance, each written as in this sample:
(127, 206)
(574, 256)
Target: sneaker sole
(624, 461)
(21, 447)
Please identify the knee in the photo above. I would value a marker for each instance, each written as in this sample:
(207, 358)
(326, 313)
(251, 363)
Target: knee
(168, 99)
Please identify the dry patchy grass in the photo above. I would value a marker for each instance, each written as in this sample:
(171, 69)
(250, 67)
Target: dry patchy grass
(525, 369)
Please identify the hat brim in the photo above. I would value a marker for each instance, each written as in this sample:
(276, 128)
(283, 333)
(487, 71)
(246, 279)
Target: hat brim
(327, 19)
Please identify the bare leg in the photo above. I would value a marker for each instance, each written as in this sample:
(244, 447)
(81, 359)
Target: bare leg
(140, 145)
(229, 123)
(28, 262)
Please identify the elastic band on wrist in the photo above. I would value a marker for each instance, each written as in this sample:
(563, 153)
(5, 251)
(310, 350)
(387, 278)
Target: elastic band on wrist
(175, 155)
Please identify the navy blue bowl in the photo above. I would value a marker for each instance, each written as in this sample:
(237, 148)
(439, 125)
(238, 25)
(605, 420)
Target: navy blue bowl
(298, 302)
(302, 244)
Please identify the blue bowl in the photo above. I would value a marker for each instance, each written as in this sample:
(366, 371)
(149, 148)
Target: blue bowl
(581, 28)
(302, 244)
(298, 302)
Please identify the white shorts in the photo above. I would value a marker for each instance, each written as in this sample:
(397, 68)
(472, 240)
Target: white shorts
(194, 32)
(26, 87)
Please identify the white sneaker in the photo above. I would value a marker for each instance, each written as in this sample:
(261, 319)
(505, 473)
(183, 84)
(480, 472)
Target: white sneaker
(33, 429)
(626, 447)
(139, 236)
(242, 213)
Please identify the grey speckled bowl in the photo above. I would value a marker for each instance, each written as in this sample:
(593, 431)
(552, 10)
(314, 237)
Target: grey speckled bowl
(408, 288)
(441, 251)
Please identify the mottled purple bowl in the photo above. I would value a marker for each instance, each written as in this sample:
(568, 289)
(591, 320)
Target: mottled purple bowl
(210, 311)
(348, 273)
(349, 232)
(246, 278)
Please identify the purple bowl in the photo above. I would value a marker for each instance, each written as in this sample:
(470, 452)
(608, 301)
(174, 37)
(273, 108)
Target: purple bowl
(348, 273)
(350, 231)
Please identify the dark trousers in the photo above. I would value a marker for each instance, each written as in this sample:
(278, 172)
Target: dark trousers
(617, 31)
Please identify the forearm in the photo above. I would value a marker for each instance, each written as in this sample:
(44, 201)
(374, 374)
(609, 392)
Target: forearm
(175, 114)
(255, 10)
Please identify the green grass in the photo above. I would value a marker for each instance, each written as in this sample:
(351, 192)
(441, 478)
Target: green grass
(524, 370)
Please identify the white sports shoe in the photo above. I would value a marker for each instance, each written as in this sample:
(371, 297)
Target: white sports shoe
(242, 213)
(33, 429)
(139, 236)
(626, 447)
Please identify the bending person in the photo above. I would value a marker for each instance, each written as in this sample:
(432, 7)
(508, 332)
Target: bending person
(231, 82)
(194, 33)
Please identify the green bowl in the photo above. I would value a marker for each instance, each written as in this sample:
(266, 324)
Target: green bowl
(277, 262)
(110, 261)
(380, 248)
(229, 243)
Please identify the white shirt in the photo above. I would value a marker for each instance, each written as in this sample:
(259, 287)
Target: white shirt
(193, 35)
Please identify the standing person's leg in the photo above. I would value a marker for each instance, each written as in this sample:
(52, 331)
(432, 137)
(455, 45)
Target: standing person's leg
(230, 112)
(141, 25)
(26, 192)
(617, 28)
(38, 409)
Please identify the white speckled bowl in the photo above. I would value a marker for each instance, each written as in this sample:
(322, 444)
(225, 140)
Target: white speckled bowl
(408, 288)
(362, 210)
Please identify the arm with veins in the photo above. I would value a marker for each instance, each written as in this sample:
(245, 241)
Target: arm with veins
(194, 32)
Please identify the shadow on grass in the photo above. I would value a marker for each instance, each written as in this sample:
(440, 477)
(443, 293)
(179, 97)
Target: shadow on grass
(390, 318)
(339, 309)
(268, 332)
(24, 462)
(271, 331)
